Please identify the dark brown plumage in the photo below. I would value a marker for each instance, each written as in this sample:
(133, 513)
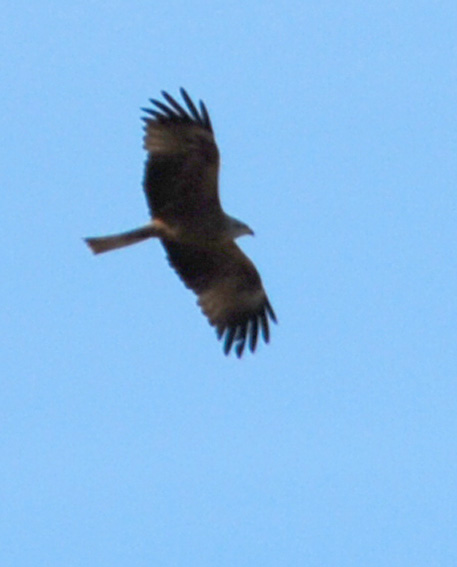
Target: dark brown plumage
(181, 187)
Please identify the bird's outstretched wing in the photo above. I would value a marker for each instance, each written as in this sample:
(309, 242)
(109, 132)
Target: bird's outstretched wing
(229, 290)
(181, 175)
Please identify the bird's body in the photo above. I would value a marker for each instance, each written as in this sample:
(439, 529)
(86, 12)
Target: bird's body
(181, 187)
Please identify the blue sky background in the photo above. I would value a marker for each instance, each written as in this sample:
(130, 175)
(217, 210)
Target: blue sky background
(126, 437)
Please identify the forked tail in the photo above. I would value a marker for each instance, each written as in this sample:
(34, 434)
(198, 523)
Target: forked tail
(101, 244)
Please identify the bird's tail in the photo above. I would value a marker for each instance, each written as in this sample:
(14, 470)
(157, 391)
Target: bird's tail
(101, 244)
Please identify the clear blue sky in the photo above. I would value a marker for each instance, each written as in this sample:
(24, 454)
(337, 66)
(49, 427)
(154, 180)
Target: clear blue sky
(127, 438)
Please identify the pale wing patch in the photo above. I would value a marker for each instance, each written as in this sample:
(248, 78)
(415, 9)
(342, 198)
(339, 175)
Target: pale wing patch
(163, 138)
(222, 302)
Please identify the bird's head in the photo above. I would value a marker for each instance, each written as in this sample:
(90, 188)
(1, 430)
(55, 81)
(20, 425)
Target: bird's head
(238, 228)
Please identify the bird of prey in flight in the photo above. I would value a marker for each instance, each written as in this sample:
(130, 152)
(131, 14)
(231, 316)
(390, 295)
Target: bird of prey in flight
(181, 187)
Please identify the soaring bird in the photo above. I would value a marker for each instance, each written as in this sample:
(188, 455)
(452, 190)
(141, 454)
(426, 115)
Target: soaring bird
(181, 188)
